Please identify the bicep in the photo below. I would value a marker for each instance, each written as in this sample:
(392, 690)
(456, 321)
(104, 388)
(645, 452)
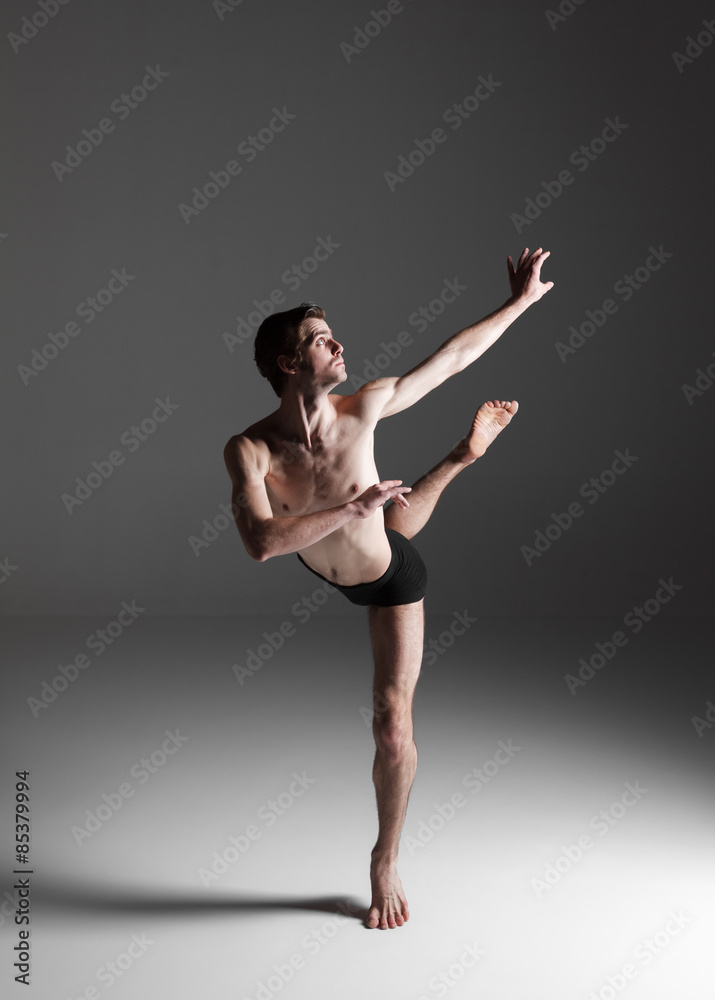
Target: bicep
(387, 396)
(249, 499)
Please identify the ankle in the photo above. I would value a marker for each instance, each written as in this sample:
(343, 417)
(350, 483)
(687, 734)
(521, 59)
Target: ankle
(461, 455)
(382, 857)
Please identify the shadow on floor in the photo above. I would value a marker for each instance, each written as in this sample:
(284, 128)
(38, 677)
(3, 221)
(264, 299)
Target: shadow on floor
(111, 900)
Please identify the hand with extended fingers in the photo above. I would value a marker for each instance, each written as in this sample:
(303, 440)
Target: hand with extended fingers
(525, 278)
(374, 497)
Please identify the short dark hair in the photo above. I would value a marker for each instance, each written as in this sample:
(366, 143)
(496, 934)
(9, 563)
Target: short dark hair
(279, 334)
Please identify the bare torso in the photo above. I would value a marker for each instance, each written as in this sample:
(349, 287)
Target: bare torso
(339, 466)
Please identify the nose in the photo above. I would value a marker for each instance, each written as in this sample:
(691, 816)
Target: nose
(337, 349)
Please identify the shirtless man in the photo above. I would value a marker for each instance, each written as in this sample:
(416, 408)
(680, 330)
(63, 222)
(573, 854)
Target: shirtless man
(305, 482)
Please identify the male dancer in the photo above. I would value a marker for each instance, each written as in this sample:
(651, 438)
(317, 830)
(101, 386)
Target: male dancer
(304, 481)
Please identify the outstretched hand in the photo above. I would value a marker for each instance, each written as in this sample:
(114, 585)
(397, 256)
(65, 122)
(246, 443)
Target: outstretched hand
(525, 278)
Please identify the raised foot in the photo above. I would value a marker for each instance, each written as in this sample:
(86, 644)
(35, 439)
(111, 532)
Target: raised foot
(490, 419)
(389, 906)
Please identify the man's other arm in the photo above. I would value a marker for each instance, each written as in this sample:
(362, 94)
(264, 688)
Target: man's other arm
(264, 535)
(387, 396)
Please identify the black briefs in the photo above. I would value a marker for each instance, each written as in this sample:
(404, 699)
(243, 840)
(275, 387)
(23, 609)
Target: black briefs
(403, 582)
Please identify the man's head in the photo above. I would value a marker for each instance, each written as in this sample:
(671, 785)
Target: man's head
(298, 342)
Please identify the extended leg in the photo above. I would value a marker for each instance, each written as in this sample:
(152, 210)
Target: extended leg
(397, 636)
(489, 420)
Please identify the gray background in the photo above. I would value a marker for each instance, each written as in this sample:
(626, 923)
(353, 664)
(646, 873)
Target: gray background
(323, 176)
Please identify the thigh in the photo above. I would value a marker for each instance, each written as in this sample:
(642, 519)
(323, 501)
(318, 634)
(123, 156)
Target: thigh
(397, 636)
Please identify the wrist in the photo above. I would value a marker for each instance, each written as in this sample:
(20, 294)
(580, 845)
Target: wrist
(350, 510)
(516, 305)
(519, 302)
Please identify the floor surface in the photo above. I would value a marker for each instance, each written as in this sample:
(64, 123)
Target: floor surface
(202, 817)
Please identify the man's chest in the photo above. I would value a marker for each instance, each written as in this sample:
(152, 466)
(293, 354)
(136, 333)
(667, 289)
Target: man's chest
(331, 472)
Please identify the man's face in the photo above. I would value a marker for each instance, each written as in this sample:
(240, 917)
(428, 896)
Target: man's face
(322, 353)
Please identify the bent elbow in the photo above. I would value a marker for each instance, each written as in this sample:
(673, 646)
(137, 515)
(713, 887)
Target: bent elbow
(258, 549)
(256, 552)
(257, 541)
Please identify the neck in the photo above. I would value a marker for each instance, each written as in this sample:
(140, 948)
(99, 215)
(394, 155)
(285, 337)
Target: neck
(305, 414)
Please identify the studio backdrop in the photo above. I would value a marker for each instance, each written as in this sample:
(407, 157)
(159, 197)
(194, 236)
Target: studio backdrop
(175, 171)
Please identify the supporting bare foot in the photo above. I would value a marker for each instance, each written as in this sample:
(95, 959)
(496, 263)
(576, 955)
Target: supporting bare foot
(491, 418)
(389, 906)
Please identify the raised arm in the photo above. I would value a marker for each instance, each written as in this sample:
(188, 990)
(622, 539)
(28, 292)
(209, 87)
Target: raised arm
(264, 535)
(391, 395)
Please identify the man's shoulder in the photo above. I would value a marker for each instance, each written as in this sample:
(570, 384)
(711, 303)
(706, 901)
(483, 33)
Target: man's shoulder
(368, 399)
(255, 434)
(248, 447)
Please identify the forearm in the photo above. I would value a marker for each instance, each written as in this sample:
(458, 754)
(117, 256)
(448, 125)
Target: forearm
(279, 536)
(471, 342)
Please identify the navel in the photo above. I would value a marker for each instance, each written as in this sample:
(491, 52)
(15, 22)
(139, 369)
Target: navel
(285, 506)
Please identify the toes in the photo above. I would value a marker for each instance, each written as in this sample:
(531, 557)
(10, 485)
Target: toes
(388, 918)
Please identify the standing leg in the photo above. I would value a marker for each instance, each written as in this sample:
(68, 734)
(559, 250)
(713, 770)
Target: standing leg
(397, 635)
(489, 420)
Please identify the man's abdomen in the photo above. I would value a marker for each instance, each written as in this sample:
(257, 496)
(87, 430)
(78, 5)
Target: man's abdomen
(359, 552)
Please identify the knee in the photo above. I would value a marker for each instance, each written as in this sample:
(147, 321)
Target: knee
(392, 729)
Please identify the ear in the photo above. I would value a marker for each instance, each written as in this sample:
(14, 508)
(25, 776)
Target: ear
(286, 364)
